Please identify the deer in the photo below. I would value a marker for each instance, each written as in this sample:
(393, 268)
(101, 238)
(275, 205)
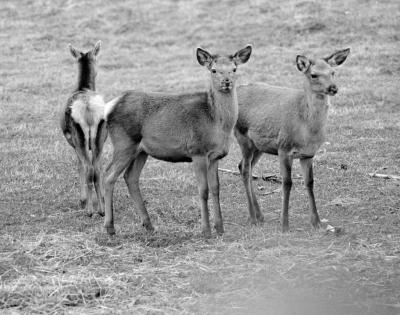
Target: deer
(191, 127)
(289, 123)
(83, 125)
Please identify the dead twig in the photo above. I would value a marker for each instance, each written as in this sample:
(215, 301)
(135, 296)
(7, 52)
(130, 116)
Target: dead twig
(268, 177)
(224, 170)
(271, 177)
(385, 176)
(271, 192)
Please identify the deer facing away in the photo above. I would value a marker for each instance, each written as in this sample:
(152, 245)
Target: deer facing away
(289, 123)
(82, 123)
(195, 127)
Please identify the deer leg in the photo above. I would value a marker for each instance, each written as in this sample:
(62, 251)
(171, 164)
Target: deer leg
(102, 137)
(307, 167)
(82, 184)
(213, 184)
(285, 163)
(200, 169)
(77, 141)
(97, 177)
(97, 147)
(98, 187)
(86, 178)
(256, 157)
(89, 184)
(245, 167)
(131, 177)
(246, 172)
(121, 159)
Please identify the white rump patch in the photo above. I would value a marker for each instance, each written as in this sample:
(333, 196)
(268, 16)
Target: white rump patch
(95, 109)
(110, 106)
(78, 111)
(88, 111)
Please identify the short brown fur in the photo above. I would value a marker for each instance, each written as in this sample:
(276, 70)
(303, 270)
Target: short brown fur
(193, 127)
(289, 123)
(82, 123)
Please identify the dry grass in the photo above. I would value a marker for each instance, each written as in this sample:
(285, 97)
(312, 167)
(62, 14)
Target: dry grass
(54, 259)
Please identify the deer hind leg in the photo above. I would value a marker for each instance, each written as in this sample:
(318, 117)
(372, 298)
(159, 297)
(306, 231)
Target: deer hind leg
(245, 167)
(213, 184)
(131, 177)
(122, 157)
(77, 140)
(97, 148)
(285, 163)
(103, 134)
(86, 178)
(200, 169)
(256, 157)
(89, 185)
(247, 181)
(85, 169)
(307, 167)
(82, 184)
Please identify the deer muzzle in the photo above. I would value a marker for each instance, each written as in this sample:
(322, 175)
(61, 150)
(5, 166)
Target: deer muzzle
(226, 85)
(332, 89)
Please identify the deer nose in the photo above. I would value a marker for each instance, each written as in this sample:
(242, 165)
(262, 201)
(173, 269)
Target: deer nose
(226, 83)
(332, 89)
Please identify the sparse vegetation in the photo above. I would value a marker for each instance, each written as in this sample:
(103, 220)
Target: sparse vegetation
(55, 259)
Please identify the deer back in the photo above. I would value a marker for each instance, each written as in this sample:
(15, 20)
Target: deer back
(172, 127)
(279, 118)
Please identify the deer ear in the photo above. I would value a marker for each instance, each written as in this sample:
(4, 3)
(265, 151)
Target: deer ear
(204, 57)
(74, 52)
(303, 63)
(243, 55)
(96, 48)
(338, 57)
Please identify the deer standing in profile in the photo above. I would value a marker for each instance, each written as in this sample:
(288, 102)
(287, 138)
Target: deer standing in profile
(83, 125)
(289, 123)
(196, 127)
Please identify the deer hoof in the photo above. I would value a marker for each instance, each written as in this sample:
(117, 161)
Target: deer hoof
(219, 228)
(98, 213)
(82, 203)
(260, 218)
(110, 230)
(148, 226)
(285, 228)
(252, 221)
(206, 233)
(315, 222)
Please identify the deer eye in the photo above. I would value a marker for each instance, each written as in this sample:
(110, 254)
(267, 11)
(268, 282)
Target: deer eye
(314, 76)
(213, 71)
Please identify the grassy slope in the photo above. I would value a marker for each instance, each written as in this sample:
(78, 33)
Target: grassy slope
(55, 259)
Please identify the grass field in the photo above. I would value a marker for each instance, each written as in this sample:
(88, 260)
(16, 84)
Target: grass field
(54, 259)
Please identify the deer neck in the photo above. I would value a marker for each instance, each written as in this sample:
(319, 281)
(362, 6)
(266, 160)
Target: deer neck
(316, 109)
(86, 78)
(224, 107)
